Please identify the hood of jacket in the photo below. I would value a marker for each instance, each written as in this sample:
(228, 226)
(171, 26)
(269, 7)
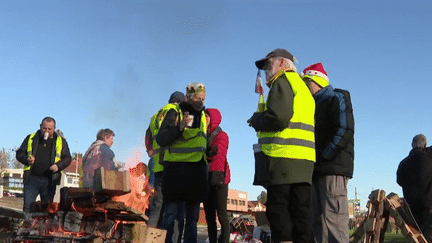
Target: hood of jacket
(215, 118)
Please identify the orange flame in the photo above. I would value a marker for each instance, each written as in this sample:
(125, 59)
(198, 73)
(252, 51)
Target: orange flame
(140, 193)
(53, 208)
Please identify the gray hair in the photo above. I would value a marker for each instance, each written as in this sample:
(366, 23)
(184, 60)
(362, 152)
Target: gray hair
(290, 64)
(419, 141)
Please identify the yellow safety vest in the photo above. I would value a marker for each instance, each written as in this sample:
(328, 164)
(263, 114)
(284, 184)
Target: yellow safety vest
(58, 149)
(191, 146)
(155, 123)
(297, 141)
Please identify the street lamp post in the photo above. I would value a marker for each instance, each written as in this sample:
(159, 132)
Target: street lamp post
(76, 163)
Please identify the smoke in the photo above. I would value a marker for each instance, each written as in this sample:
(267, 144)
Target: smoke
(123, 108)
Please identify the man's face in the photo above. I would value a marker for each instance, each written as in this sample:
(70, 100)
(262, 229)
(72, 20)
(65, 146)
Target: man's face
(109, 140)
(271, 68)
(49, 127)
(197, 100)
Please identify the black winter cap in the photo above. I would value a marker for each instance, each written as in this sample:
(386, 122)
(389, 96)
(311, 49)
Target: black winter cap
(276, 53)
(177, 97)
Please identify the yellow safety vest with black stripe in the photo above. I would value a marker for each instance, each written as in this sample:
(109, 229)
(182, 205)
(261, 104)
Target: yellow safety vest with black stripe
(297, 141)
(192, 144)
(58, 149)
(155, 123)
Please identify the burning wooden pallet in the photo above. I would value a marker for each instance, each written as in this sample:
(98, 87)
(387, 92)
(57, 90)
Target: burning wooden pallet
(88, 215)
(380, 208)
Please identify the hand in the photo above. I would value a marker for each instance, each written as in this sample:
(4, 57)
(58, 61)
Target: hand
(150, 153)
(185, 121)
(54, 168)
(213, 151)
(251, 120)
(31, 160)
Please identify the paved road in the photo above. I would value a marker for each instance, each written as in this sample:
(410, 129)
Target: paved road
(12, 202)
(202, 234)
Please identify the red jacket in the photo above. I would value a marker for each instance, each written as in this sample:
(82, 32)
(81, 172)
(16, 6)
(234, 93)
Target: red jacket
(217, 162)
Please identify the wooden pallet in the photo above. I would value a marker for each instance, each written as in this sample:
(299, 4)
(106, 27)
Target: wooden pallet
(380, 208)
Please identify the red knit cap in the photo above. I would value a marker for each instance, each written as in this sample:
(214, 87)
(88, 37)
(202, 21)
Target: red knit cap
(316, 69)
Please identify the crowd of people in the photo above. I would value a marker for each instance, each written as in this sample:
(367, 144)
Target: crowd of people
(304, 158)
(305, 151)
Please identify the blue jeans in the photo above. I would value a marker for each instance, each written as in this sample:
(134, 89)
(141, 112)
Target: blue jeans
(175, 212)
(156, 202)
(34, 186)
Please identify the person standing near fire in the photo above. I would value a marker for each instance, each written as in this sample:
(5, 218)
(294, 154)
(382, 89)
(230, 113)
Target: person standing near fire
(99, 154)
(154, 152)
(285, 153)
(219, 178)
(184, 180)
(44, 155)
(414, 176)
(334, 139)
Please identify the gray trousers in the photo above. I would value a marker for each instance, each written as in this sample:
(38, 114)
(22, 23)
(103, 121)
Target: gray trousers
(330, 209)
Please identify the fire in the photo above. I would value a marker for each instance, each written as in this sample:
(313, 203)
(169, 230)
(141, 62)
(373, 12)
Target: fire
(52, 208)
(141, 190)
(84, 221)
(62, 232)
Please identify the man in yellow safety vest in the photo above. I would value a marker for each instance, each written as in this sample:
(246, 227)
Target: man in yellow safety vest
(155, 168)
(183, 137)
(285, 153)
(44, 155)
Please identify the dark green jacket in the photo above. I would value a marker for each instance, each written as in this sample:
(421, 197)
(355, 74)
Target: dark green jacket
(278, 171)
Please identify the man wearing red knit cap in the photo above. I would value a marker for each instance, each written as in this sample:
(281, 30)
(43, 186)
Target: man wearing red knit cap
(334, 140)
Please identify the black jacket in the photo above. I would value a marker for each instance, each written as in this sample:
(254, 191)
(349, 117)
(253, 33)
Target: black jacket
(22, 156)
(414, 175)
(182, 181)
(334, 132)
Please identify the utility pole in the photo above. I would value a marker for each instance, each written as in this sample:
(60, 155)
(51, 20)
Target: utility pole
(355, 189)
(76, 163)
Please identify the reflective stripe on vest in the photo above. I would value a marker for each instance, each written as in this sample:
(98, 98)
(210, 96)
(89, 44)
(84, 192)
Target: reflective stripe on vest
(58, 149)
(155, 123)
(297, 141)
(191, 146)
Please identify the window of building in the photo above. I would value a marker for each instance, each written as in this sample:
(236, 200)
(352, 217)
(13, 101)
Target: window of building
(228, 200)
(232, 201)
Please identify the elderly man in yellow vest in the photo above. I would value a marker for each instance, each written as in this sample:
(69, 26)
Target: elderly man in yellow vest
(44, 155)
(285, 153)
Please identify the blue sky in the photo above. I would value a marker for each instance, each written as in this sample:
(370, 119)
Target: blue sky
(113, 64)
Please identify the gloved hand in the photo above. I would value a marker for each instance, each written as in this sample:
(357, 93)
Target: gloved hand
(252, 120)
(213, 151)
